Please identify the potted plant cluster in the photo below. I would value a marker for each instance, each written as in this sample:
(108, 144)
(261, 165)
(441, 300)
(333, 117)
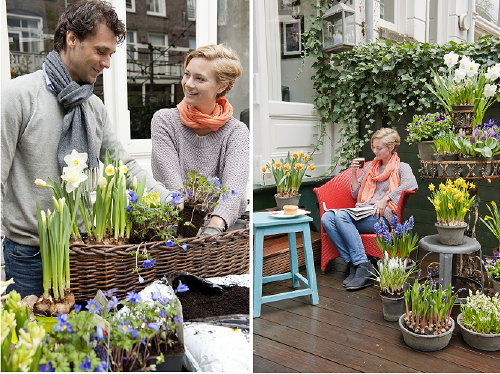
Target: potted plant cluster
(479, 321)
(392, 274)
(466, 92)
(451, 202)
(201, 195)
(492, 266)
(288, 173)
(427, 325)
(424, 128)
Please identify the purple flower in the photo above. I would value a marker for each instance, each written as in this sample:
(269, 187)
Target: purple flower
(77, 308)
(131, 193)
(234, 192)
(484, 136)
(148, 263)
(86, 364)
(215, 181)
(127, 208)
(141, 280)
(112, 303)
(169, 243)
(155, 296)
(46, 367)
(62, 318)
(177, 319)
(133, 297)
(394, 220)
(92, 306)
(472, 139)
(176, 198)
(110, 292)
(184, 247)
(181, 288)
(99, 333)
(154, 326)
(134, 198)
(163, 313)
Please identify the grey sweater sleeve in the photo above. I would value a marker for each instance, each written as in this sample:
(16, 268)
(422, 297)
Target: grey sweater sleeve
(408, 182)
(234, 175)
(165, 162)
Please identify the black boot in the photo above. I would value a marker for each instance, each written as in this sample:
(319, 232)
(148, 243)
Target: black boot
(352, 273)
(363, 276)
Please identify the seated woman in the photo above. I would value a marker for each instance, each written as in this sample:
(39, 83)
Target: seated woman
(380, 186)
(201, 133)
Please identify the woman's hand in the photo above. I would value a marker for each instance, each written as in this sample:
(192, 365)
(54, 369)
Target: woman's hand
(379, 207)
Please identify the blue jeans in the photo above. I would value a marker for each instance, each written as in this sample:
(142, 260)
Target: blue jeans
(344, 232)
(24, 264)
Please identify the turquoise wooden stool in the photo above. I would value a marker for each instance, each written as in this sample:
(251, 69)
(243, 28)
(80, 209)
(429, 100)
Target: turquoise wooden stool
(264, 224)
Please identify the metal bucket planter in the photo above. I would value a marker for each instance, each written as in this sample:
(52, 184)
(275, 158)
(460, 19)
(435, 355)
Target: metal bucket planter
(281, 201)
(484, 342)
(393, 306)
(444, 169)
(462, 117)
(451, 235)
(495, 284)
(476, 166)
(427, 343)
(425, 150)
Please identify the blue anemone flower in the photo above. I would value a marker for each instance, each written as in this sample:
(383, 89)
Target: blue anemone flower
(46, 367)
(154, 326)
(185, 247)
(169, 243)
(110, 292)
(112, 303)
(77, 308)
(133, 297)
(93, 307)
(86, 364)
(141, 280)
(134, 198)
(148, 263)
(182, 287)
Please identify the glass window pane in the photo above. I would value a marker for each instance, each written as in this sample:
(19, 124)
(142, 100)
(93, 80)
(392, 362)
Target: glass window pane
(387, 10)
(233, 31)
(154, 75)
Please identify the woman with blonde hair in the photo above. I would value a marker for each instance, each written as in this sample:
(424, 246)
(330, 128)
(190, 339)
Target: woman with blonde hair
(380, 186)
(202, 134)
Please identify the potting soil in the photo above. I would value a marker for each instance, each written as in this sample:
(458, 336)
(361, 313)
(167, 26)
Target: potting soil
(200, 303)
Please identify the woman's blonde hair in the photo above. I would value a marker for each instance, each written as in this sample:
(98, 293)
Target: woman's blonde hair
(226, 62)
(388, 137)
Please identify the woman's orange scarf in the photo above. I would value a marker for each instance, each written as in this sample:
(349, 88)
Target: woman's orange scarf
(369, 183)
(192, 117)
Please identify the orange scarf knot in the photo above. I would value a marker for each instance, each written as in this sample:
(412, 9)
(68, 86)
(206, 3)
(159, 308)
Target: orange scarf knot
(369, 183)
(192, 117)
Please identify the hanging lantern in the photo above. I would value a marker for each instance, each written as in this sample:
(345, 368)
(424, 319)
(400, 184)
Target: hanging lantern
(339, 28)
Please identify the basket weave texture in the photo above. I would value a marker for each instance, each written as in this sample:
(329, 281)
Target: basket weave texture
(279, 262)
(104, 267)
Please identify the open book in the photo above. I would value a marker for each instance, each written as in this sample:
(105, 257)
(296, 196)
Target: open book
(355, 213)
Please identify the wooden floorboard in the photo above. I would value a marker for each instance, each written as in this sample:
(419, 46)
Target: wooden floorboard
(346, 332)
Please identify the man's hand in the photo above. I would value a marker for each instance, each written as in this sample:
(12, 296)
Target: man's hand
(210, 230)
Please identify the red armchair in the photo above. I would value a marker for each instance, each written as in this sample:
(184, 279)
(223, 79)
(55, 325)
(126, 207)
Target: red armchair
(336, 194)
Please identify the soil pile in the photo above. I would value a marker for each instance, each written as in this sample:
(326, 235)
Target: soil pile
(201, 303)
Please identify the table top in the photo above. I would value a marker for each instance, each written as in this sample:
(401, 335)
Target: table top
(431, 243)
(261, 219)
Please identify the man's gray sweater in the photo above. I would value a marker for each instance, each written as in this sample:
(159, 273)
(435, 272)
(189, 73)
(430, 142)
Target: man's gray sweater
(31, 129)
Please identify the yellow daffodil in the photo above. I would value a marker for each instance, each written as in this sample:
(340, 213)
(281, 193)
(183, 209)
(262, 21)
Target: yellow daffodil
(493, 203)
(312, 167)
(464, 210)
(472, 186)
(109, 170)
(264, 169)
(299, 166)
(287, 174)
(441, 186)
(307, 158)
(295, 155)
(277, 165)
(438, 208)
(286, 167)
(302, 154)
(461, 200)
(457, 196)
(431, 187)
(487, 218)
(450, 206)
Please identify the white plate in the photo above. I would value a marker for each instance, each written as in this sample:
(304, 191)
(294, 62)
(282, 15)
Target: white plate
(281, 214)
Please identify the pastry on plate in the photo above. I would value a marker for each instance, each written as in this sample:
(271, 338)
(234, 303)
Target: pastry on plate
(290, 210)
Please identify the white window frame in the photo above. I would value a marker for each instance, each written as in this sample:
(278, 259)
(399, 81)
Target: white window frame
(132, 6)
(399, 24)
(134, 44)
(162, 12)
(19, 30)
(191, 15)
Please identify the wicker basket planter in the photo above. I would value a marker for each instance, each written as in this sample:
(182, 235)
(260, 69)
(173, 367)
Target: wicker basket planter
(106, 267)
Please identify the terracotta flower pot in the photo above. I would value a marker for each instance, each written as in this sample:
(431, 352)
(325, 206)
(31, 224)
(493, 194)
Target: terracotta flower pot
(427, 343)
(484, 342)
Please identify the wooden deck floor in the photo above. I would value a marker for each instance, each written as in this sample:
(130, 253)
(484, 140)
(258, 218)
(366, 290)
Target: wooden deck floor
(346, 332)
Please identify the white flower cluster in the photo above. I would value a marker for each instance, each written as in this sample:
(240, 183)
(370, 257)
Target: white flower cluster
(469, 68)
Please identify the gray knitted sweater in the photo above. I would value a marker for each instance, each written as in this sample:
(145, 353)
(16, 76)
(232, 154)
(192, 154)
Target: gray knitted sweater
(177, 150)
(408, 182)
(31, 128)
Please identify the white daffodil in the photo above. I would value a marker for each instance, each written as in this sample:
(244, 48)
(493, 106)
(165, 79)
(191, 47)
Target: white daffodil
(41, 183)
(460, 74)
(73, 176)
(109, 170)
(472, 69)
(451, 59)
(489, 90)
(493, 72)
(76, 159)
(465, 62)
(102, 183)
(123, 169)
